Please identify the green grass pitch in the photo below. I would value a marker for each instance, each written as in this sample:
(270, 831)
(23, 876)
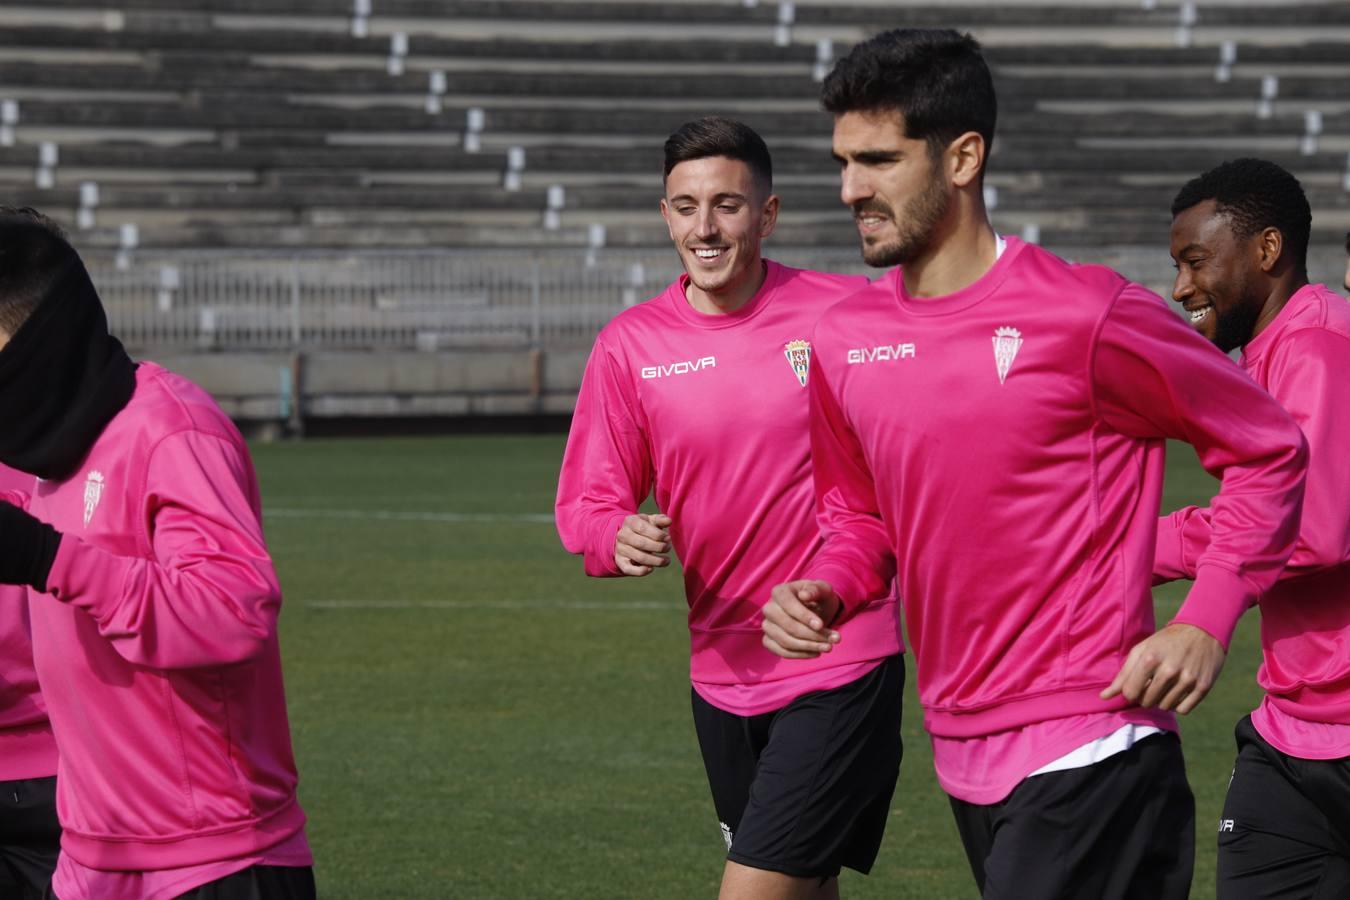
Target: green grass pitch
(474, 718)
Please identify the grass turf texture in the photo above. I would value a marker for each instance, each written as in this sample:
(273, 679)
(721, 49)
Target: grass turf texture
(473, 718)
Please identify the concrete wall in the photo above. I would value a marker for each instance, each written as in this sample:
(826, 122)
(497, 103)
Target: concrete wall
(291, 388)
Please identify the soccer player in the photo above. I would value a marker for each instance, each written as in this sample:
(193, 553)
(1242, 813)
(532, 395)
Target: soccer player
(30, 835)
(153, 602)
(700, 392)
(1239, 241)
(994, 418)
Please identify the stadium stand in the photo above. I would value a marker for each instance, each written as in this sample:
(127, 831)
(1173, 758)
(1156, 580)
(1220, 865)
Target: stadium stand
(440, 174)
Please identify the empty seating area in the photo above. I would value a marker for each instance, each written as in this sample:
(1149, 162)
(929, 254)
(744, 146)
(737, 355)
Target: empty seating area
(240, 128)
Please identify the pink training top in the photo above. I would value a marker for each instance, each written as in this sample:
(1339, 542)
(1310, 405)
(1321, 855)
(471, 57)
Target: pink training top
(712, 411)
(157, 646)
(1006, 444)
(985, 770)
(1303, 359)
(72, 881)
(27, 748)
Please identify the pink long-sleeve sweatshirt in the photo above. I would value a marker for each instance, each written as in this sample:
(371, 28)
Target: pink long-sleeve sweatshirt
(1007, 442)
(157, 644)
(711, 410)
(27, 747)
(1303, 359)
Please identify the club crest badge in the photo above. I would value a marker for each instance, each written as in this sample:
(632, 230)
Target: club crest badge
(798, 355)
(1007, 341)
(93, 492)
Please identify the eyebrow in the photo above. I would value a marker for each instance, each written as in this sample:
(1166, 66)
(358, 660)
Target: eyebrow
(717, 198)
(1187, 249)
(870, 156)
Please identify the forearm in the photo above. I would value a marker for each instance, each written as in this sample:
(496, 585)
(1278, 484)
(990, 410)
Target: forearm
(203, 609)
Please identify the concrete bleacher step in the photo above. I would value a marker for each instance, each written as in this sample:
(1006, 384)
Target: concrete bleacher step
(223, 123)
(229, 76)
(300, 44)
(865, 14)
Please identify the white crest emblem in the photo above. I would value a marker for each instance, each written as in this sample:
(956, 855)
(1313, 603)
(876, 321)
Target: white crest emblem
(798, 355)
(93, 492)
(1007, 341)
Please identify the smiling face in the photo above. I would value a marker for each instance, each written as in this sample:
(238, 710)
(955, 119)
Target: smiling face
(718, 217)
(893, 185)
(1217, 275)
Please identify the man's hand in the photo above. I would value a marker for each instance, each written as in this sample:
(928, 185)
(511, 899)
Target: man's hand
(642, 544)
(797, 619)
(1173, 669)
(27, 548)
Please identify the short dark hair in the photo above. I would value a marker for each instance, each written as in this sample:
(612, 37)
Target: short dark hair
(34, 255)
(935, 78)
(1254, 194)
(716, 136)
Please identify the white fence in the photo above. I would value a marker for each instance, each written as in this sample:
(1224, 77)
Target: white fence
(421, 300)
(417, 299)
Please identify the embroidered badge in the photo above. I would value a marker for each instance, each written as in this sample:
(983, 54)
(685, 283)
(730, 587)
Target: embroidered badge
(93, 492)
(798, 355)
(1007, 341)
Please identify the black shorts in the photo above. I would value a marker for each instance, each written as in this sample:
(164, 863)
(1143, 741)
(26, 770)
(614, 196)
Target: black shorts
(30, 836)
(1285, 828)
(1121, 829)
(806, 789)
(256, 883)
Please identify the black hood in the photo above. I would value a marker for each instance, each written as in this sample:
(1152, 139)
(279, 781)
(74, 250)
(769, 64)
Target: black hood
(62, 379)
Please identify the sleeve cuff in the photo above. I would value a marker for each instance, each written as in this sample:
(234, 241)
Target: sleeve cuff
(600, 561)
(1169, 562)
(846, 587)
(1216, 602)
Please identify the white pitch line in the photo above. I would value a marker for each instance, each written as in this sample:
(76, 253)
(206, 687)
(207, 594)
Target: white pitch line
(506, 605)
(392, 516)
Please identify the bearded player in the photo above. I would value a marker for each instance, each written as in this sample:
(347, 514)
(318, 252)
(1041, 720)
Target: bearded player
(994, 418)
(700, 394)
(1239, 242)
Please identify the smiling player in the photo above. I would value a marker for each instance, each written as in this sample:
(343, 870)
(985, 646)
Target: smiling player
(1239, 241)
(701, 394)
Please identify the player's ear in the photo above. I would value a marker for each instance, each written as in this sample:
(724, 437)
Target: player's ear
(768, 216)
(1269, 246)
(965, 159)
(665, 214)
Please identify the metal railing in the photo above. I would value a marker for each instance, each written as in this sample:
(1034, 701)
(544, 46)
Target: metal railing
(382, 300)
(426, 300)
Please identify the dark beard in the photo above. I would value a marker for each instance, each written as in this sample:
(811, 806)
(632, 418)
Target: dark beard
(1234, 327)
(922, 216)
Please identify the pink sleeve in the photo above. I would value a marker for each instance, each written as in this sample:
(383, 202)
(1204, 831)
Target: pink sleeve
(1182, 537)
(1309, 373)
(607, 467)
(14, 498)
(208, 595)
(856, 558)
(1154, 377)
